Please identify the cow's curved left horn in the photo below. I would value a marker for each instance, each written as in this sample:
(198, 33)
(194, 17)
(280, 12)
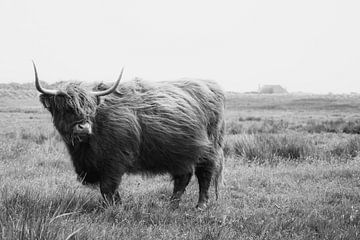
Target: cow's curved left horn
(111, 89)
(39, 87)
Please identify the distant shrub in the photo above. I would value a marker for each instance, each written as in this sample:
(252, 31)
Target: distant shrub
(20, 110)
(10, 135)
(268, 126)
(49, 139)
(251, 118)
(333, 126)
(234, 127)
(352, 127)
(346, 149)
(265, 126)
(38, 138)
(295, 147)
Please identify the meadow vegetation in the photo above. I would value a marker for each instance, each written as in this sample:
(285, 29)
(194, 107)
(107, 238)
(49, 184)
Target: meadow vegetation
(292, 172)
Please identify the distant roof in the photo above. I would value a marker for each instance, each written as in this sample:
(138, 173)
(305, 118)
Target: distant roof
(272, 88)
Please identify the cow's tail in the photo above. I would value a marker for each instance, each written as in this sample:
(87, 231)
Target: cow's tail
(218, 176)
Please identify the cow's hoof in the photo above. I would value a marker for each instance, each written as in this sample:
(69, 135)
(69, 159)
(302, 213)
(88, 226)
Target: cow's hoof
(201, 206)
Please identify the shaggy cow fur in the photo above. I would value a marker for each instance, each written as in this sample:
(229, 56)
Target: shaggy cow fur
(148, 128)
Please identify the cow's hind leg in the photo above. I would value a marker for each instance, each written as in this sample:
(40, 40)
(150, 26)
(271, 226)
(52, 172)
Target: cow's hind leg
(204, 172)
(180, 183)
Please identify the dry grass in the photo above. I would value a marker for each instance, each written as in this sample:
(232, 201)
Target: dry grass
(285, 179)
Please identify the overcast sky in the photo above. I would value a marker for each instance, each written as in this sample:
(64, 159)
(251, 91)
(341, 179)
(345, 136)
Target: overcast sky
(307, 45)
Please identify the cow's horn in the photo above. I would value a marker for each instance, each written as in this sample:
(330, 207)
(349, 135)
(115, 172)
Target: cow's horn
(38, 86)
(111, 89)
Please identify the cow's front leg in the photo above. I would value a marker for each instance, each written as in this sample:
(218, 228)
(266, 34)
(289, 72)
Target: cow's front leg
(108, 189)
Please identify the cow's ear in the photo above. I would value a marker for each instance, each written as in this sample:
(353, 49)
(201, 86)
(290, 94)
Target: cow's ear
(45, 101)
(99, 100)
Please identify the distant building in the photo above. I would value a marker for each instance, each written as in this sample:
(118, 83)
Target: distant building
(272, 89)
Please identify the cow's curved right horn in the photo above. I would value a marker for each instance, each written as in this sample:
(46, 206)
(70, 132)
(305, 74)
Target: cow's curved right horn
(111, 89)
(38, 86)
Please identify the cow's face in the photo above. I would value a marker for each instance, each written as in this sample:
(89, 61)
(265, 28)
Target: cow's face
(73, 112)
(73, 109)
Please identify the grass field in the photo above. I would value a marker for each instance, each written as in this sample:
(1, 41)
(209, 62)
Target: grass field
(292, 172)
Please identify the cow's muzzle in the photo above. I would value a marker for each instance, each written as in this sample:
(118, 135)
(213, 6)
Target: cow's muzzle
(82, 129)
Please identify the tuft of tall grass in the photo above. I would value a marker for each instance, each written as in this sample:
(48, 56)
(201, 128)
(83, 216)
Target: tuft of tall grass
(295, 147)
(270, 149)
(31, 215)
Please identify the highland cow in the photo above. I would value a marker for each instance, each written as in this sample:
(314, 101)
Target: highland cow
(174, 128)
